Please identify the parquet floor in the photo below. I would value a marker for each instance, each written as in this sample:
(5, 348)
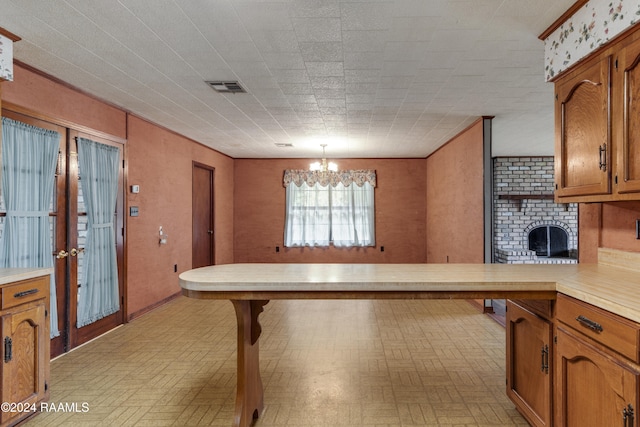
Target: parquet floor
(324, 363)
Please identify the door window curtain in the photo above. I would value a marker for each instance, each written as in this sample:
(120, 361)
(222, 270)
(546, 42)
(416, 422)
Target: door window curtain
(324, 208)
(29, 159)
(99, 291)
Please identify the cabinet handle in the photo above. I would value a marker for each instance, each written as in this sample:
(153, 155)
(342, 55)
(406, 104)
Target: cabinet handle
(594, 326)
(544, 367)
(603, 157)
(25, 293)
(628, 416)
(8, 349)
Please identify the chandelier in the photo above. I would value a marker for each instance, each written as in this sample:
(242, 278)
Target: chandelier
(323, 166)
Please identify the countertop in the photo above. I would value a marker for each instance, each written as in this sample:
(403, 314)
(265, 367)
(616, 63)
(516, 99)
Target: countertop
(10, 275)
(613, 284)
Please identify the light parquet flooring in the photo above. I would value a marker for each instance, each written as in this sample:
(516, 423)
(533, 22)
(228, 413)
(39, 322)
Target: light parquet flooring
(330, 363)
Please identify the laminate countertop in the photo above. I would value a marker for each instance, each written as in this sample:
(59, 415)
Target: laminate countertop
(11, 275)
(613, 284)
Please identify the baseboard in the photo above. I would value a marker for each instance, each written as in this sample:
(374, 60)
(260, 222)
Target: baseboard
(153, 306)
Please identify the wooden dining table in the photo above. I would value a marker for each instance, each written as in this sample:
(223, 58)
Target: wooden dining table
(251, 286)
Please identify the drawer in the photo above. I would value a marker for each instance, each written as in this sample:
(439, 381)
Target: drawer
(541, 307)
(617, 333)
(25, 291)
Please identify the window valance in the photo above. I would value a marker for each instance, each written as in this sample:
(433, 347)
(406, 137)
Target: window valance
(345, 177)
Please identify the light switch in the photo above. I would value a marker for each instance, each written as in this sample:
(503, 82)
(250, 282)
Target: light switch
(135, 189)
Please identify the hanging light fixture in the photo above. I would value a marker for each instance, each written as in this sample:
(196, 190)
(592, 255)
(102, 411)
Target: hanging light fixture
(323, 166)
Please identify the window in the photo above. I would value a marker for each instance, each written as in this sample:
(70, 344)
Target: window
(326, 208)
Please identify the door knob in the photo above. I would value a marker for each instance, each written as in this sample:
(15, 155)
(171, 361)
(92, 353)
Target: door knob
(75, 251)
(210, 231)
(62, 254)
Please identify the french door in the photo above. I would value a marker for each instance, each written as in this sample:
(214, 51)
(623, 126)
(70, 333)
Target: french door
(68, 219)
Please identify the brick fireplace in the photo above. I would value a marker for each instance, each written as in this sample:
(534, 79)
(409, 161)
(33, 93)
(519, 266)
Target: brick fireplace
(529, 228)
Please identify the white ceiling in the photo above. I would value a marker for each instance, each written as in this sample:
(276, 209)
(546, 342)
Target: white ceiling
(369, 78)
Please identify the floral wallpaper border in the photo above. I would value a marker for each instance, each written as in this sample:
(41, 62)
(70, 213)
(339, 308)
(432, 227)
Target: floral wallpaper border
(346, 177)
(593, 25)
(6, 58)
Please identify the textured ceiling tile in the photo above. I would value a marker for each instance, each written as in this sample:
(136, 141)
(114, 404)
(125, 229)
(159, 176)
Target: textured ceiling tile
(325, 69)
(367, 16)
(321, 51)
(317, 29)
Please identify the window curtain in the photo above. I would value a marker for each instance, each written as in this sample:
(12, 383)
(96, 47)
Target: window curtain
(330, 207)
(99, 291)
(28, 174)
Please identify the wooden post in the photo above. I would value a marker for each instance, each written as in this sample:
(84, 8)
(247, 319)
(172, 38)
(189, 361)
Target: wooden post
(249, 394)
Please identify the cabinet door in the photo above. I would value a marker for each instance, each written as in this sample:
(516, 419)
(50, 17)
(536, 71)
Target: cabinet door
(528, 364)
(24, 365)
(583, 137)
(628, 158)
(593, 389)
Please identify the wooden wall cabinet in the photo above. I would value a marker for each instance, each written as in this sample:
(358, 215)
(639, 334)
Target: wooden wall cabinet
(529, 367)
(25, 351)
(596, 367)
(583, 137)
(628, 155)
(597, 153)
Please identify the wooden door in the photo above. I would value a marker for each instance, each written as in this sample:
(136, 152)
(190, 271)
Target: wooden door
(58, 220)
(593, 389)
(583, 136)
(76, 235)
(628, 158)
(529, 371)
(67, 219)
(203, 203)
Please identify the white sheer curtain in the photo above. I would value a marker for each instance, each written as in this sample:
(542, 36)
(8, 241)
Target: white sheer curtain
(99, 293)
(329, 208)
(352, 215)
(308, 218)
(29, 157)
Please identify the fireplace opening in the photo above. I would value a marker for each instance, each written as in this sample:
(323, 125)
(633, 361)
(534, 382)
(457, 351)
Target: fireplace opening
(549, 241)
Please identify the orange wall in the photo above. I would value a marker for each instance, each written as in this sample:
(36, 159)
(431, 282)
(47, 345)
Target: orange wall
(607, 225)
(455, 200)
(260, 212)
(54, 100)
(161, 163)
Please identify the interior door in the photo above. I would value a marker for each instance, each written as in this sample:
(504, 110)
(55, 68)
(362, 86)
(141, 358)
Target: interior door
(68, 228)
(203, 231)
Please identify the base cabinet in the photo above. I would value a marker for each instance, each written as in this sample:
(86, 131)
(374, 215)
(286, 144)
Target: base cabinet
(25, 349)
(529, 371)
(593, 388)
(570, 364)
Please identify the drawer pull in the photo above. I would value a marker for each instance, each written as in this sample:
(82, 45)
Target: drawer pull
(8, 349)
(25, 293)
(545, 359)
(594, 326)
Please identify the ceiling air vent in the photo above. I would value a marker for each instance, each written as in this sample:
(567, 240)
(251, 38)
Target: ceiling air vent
(226, 87)
(283, 144)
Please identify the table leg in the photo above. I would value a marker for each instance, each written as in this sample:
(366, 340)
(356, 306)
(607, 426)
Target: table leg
(249, 395)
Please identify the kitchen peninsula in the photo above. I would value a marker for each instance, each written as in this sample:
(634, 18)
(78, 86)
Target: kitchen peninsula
(611, 286)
